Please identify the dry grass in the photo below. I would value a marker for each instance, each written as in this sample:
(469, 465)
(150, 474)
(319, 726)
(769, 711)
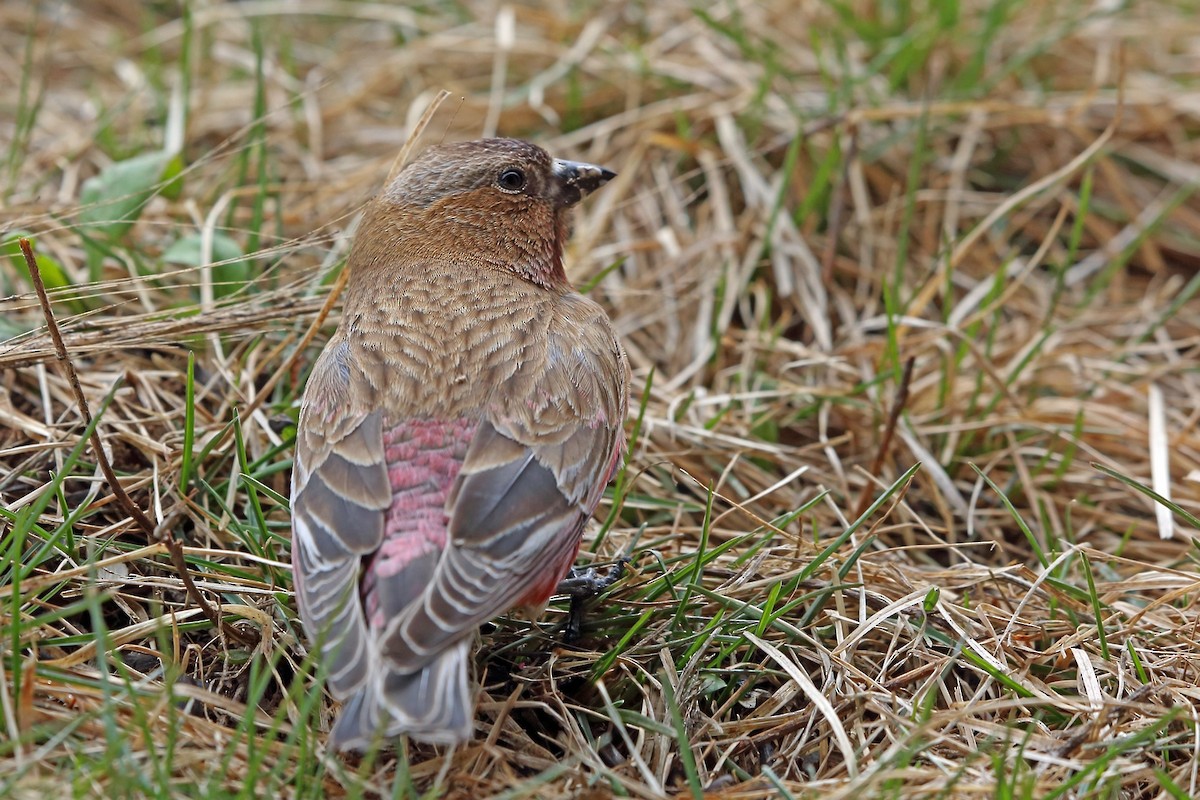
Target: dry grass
(810, 196)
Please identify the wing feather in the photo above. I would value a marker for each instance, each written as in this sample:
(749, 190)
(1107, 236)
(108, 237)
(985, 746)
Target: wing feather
(532, 475)
(340, 491)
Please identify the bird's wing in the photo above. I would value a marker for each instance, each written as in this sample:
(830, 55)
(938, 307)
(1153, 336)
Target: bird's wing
(340, 493)
(533, 473)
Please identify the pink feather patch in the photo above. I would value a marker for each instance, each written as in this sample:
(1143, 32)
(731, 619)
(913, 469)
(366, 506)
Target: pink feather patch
(424, 457)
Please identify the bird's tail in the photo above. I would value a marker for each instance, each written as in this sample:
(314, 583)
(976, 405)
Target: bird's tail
(433, 705)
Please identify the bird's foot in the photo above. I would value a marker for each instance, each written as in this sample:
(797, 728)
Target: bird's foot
(589, 582)
(582, 584)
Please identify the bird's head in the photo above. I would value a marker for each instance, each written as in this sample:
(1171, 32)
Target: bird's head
(508, 173)
(496, 202)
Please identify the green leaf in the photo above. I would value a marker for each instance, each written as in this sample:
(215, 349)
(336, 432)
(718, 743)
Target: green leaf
(113, 200)
(230, 269)
(53, 275)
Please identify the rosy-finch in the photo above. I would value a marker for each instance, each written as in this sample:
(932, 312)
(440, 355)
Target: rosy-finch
(456, 432)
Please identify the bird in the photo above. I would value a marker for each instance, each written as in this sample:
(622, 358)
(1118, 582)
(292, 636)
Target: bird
(456, 433)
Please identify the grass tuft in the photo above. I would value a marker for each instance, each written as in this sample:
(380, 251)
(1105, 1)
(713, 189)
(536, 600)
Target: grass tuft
(848, 577)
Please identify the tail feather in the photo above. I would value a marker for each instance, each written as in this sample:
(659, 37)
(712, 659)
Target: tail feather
(434, 704)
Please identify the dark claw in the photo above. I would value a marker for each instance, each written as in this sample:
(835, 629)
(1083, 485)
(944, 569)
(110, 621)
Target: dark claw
(581, 585)
(588, 582)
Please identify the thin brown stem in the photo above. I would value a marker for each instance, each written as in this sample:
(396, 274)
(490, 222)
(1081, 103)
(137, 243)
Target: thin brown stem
(889, 430)
(152, 532)
(837, 219)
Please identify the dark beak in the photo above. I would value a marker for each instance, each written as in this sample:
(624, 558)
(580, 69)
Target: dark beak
(578, 180)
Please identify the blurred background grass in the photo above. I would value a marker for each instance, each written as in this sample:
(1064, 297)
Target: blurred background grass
(847, 579)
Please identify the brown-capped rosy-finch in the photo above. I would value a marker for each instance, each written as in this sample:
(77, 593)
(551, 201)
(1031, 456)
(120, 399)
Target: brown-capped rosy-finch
(456, 433)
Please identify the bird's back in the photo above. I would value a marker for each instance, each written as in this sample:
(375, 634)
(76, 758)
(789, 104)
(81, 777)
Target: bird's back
(445, 339)
(456, 434)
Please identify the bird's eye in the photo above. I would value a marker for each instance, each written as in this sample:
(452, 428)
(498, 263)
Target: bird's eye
(512, 180)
